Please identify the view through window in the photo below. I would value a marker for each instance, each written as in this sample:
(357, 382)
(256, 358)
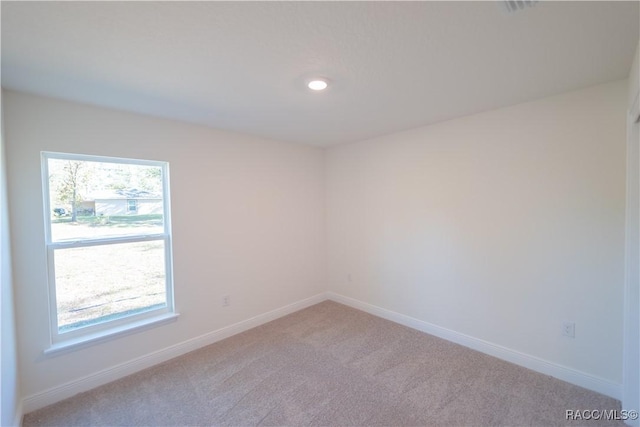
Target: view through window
(108, 241)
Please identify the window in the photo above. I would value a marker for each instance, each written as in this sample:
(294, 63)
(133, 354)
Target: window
(108, 241)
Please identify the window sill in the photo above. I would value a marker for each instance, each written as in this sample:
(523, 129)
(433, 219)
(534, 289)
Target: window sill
(109, 334)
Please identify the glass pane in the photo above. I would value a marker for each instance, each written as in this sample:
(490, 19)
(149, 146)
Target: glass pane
(101, 283)
(100, 199)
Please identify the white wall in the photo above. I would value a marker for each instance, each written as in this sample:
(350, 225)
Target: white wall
(498, 225)
(247, 215)
(631, 365)
(9, 388)
(634, 79)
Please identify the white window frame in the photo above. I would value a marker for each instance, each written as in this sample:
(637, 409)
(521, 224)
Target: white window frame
(82, 336)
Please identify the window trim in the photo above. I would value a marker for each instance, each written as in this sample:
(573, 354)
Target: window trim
(123, 325)
(112, 333)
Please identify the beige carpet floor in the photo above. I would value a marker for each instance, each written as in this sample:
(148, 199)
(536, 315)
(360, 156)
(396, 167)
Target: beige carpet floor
(329, 365)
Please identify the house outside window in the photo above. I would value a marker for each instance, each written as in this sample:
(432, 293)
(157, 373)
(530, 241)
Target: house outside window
(109, 264)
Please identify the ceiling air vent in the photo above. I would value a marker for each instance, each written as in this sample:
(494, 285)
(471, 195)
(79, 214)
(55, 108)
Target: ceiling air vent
(516, 5)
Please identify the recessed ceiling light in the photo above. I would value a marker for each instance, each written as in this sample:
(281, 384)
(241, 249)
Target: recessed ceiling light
(318, 84)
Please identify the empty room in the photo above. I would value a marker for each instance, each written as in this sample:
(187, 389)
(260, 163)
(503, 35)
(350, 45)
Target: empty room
(320, 213)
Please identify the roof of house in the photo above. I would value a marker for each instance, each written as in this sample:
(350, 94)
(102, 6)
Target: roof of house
(126, 193)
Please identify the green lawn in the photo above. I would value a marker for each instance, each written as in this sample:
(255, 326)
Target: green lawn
(151, 219)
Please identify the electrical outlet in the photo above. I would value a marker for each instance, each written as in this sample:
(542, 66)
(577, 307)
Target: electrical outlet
(569, 329)
(226, 301)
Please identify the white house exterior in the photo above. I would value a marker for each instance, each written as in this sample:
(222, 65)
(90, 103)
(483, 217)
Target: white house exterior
(127, 202)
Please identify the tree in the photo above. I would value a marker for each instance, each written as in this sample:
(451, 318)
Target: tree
(68, 188)
(151, 179)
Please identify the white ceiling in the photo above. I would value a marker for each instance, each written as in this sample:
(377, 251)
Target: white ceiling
(242, 65)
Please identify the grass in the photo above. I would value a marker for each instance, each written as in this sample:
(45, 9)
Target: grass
(115, 220)
(105, 226)
(98, 283)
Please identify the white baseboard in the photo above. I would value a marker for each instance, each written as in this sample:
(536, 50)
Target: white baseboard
(563, 373)
(61, 392)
